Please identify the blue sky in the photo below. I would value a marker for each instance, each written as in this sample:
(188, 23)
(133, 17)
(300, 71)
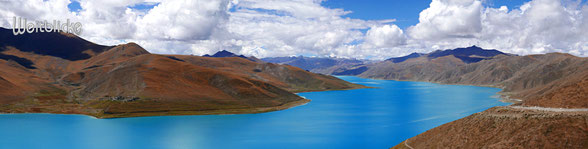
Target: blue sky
(406, 12)
(75, 6)
(264, 28)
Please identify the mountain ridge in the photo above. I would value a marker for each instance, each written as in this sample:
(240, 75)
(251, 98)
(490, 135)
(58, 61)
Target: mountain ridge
(324, 65)
(552, 80)
(404, 58)
(127, 81)
(225, 53)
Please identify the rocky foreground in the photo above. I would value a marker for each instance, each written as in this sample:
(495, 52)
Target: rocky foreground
(509, 127)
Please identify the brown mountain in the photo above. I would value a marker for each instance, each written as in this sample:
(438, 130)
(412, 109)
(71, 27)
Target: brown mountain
(126, 80)
(414, 69)
(507, 127)
(535, 79)
(553, 80)
(548, 81)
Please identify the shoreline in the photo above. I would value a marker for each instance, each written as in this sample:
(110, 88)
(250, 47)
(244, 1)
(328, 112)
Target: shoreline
(352, 88)
(502, 95)
(284, 106)
(255, 110)
(499, 119)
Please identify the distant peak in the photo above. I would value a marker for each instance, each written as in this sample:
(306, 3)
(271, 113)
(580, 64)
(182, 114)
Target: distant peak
(415, 53)
(468, 55)
(474, 46)
(225, 53)
(130, 48)
(404, 58)
(132, 44)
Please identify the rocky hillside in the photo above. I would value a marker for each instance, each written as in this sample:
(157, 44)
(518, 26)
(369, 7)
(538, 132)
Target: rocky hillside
(508, 127)
(126, 80)
(535, 79)
(550, 92)
(288, 77)
(553, 80)
(425, 67)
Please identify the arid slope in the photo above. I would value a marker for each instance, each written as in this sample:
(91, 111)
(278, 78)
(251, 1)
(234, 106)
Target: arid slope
(553, 80)
(126, 80)
(508, 127)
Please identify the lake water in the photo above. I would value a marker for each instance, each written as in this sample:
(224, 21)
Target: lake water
(362, 118)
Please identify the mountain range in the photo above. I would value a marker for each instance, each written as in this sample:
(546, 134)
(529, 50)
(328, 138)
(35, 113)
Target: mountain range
(225, 53)
(62, 73)
(549, 93)
(322, 65)
(546, 89)
(527, 78)
(521, 77)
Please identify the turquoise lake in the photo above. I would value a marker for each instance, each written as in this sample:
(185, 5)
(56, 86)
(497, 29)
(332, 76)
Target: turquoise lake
(362, 118)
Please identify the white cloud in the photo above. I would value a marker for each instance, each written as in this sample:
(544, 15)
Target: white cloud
(385, 36)
(538, 26)
(183, 20)
(293, 27)
(33, 10)
(170, 27)
(282, 27)
(448, 19)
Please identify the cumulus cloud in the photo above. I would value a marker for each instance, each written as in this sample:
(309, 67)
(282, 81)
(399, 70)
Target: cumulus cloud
(266, 28)
(448, 19)
(283, 27)
(385, 36)
(169, 27)
(183, 20)
(541, 26)
(538, 26)
(32, 10)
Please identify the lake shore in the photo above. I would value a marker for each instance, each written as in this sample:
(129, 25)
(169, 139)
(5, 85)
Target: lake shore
(59, 106)
(288, 105)
(209, 112)
(333, 117)
(77, 109)
(255, 110)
